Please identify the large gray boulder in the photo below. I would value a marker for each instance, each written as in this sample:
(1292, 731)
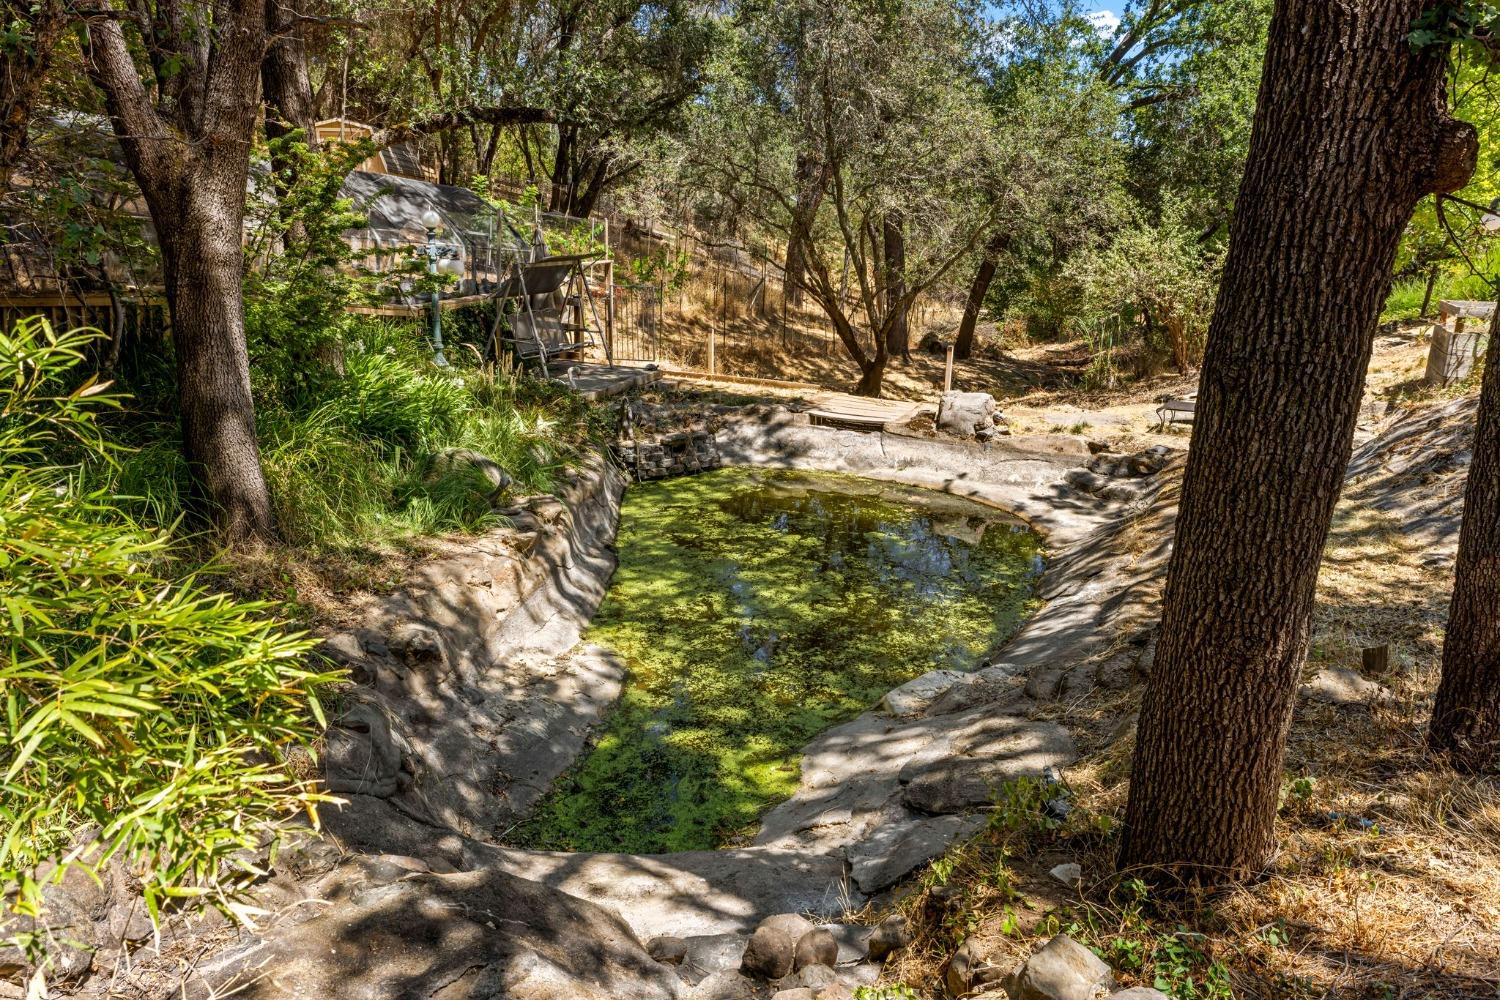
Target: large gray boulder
(1062, 969)
(967, 414)
(480, 934)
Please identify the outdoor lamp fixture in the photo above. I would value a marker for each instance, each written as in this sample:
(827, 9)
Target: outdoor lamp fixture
(440, 259)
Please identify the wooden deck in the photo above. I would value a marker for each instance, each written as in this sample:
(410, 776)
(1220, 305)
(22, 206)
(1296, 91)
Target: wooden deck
(837, 409)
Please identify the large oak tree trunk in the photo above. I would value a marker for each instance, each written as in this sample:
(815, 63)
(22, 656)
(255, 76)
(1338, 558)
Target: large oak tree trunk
(1466, 718)
(1350, 132)
(190, 155)
(202, 261)
(963, 346)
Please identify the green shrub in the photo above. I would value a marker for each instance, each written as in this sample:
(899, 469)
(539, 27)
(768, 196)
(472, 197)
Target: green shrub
(397, 401)
(157, 715)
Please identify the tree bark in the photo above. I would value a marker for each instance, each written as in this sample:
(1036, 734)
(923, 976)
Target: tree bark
(897, 307)
(1466, 717)
(811, 182)
(1350, 132)
(190, 157)
(963, 346)
(283, 74)
(24, 71)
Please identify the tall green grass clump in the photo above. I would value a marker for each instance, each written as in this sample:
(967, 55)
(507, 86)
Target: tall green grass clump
(156, 716)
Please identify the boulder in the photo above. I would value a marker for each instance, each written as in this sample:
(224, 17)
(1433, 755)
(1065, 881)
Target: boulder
(967, 414)
(816, 947)
(916, 695)
(891, 935)
(896, 849)
(796, 993)
(450, 460)
(667, 949)
(1062, 969)
(794, 925)
(725, 985)
(970, 968)
(768, 953)
(834, 991)
(479, 933)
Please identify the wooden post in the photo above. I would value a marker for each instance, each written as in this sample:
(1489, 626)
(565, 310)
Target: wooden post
(713, 365)
(948, 370)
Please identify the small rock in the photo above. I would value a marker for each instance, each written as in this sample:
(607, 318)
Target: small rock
(768, 953)
(800, 993)
(816, 947)
(1062, 969)
(815, 977)
(667, 949)
(891, 935)
(834, 991)
(970, 968)
(1139, 993)
(1070, 875)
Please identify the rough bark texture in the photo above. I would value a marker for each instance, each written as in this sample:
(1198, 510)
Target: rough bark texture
(27, 60)
(898, 329)
(1350, 133)
(811, 181)
(189, 151)
(963, 346)
(1466, 717)
(283, 74)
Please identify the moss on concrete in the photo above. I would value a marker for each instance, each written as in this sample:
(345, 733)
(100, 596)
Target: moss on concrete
(755, 609)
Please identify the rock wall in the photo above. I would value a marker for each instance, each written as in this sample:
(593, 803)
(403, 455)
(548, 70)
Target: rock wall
(453, 669)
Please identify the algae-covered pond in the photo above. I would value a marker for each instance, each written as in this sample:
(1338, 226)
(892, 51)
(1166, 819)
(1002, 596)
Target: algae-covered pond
(755, 609)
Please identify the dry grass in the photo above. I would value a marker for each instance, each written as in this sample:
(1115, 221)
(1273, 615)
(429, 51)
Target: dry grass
(1407, 908)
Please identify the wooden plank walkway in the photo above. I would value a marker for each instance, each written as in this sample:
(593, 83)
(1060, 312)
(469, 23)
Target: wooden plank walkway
(838, 409)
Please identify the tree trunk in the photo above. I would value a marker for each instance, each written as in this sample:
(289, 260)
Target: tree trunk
(25, 69)
(190, 156)
(811, 181)
(1432, 277)
(1350, 132)
(283, 75)
(963, 347)
(872, 375)
(897, 306)
(1466, 718)
(202, 262)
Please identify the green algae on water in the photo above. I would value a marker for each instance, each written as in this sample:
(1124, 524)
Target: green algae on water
(755, 609)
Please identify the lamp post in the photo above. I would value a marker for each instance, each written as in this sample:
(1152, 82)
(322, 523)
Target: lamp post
(440, 259)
